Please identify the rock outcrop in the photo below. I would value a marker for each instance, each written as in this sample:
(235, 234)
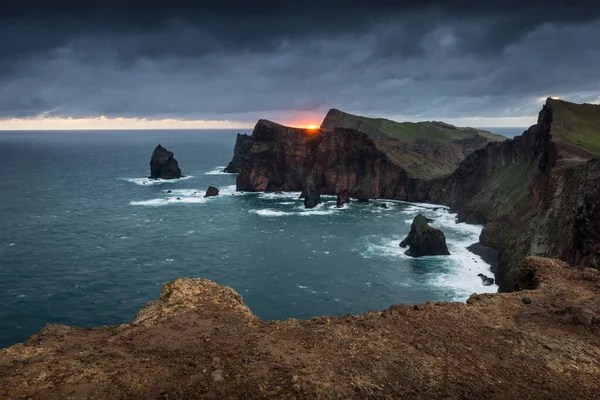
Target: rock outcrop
(211, 192)
(163, 165)
(377, 158)
(343, 197)
(424, 240)
(199, 340)
(243, 144)
(278, 158)
(313, 190)
(537, 194)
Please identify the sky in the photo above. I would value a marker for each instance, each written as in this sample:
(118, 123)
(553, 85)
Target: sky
(119, 64)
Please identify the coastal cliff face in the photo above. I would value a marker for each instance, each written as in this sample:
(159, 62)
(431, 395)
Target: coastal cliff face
(277, 158)
(243, 144)
(199, 340)
(367, 159)
(537, 194)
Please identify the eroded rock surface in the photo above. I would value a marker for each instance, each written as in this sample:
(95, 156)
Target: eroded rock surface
(199, 340)
(423, 240)
(243, 144)
(211, 192)
(163, 165)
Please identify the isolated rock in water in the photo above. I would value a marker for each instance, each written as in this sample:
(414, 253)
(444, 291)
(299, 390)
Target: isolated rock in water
(243, 144)
(211, 191)
(384, 205)
(163, 165)
(313, 189)
(486, 280)
(342, 198)
(424, 240)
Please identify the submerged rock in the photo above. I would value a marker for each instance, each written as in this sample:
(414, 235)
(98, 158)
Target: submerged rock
(487, 281)
(343, 197)
(163, 165)
(211, 192)
(424, 240)
(313, 189)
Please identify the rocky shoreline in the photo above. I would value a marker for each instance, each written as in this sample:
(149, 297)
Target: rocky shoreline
(199, 340)
(547, 177)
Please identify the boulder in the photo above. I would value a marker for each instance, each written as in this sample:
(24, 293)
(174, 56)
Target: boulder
(424, 240)
(163, 165)
(343, 197)
(211, 192)
(313, 189)
(486, 280)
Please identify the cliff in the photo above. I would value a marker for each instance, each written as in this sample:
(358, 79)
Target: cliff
(536, 193)
(277, 158)
(243, 143)
(199, 340)
(358, 157)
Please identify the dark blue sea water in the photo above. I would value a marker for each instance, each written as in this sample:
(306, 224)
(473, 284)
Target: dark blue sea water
(86, 240)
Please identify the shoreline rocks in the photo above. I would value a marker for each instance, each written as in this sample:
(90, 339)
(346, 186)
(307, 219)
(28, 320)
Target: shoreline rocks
(424, 240)
(211, 192)
(313, 189)
(163, 165)
(343, 197)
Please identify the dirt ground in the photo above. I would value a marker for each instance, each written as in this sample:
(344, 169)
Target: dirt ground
(199, 340)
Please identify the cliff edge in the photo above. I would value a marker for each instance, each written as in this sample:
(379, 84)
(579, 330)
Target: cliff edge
(199, 340)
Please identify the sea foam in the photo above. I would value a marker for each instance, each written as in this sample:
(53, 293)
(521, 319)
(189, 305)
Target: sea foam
(150, 182)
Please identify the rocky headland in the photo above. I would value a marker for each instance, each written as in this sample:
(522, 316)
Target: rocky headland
(536, 194)
(199, 340)
(423, 240)
(163, 165)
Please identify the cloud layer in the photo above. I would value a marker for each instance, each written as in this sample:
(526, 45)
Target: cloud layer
(241, 61)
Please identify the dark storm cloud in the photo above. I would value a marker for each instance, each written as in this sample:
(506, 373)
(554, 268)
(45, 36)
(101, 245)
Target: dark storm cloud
(243, 60)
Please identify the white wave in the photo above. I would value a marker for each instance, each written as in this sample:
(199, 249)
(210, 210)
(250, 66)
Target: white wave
(280, 195)
(270, 213)
(267, 212)
(460, 267)
(219, 171)
(150, 182)
(169, 200)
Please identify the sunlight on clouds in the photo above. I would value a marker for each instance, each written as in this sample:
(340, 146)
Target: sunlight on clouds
(102, 122)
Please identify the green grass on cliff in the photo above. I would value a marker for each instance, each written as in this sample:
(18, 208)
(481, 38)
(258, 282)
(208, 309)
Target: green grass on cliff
(577, 124)
(506, 189)
(408, 131)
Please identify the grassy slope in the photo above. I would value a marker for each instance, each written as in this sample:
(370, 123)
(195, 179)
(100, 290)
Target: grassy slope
(411, 131)
(577, 124)
(391, 135)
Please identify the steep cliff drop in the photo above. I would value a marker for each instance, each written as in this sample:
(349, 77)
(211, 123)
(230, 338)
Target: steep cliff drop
(424, 240)
(243, 143)
(538, 194)
(163, 165)
(371, 158)
(199, 340)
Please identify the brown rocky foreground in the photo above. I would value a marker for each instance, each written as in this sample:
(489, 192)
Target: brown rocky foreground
(199, 340)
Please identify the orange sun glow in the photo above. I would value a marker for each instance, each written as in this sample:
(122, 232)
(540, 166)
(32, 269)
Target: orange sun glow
(312, 127)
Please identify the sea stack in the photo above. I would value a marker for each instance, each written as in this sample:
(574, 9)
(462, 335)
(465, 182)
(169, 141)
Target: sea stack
(343, 197)
(163, 165)
(211, 192)
(313, 189)
(424, 240)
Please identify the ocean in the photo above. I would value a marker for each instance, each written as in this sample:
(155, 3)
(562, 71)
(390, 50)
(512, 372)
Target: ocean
(86, 239)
